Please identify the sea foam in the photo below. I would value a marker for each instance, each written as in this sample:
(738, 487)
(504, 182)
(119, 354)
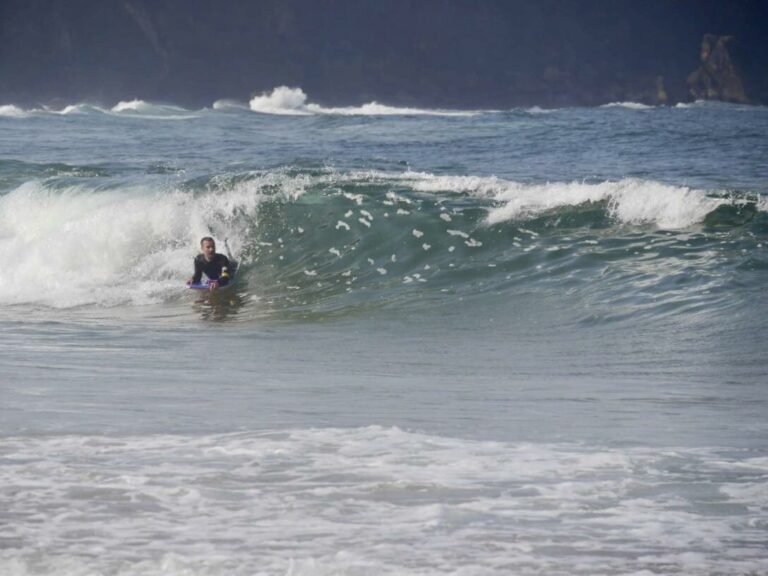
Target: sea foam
(228, 104)
(629, 201)
(628, 105)
(143, 109)
(310, 501)
(284, 100)
(11, 111)
(79, 245)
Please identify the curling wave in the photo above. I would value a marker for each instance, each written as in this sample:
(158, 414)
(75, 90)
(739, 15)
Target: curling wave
(321, 241)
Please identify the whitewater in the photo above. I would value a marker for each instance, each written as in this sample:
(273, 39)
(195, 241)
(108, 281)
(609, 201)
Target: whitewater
(462, 342)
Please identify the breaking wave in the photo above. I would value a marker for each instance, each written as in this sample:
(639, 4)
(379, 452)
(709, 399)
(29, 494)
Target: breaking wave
(227, 104)
(11, 111)
(293, 102)
(628, 105)
(321, 241)
(148, 110)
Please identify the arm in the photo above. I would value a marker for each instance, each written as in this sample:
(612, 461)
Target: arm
(198, 275)
(225, 264)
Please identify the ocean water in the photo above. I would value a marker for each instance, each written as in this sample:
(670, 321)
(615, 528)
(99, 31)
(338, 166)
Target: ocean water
(461, 342)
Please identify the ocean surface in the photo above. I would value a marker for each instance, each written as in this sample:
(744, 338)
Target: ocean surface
(504, 342)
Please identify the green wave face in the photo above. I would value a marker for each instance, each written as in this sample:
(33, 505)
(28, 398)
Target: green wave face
(327, 243)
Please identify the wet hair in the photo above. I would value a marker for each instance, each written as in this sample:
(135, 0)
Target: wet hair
(207, 238)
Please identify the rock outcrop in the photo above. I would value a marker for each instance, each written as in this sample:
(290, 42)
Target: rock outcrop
(720, 76)
(458, 54)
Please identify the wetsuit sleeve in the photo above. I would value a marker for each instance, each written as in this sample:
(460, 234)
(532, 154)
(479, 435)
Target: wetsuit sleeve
(225, 263)
(198, 275)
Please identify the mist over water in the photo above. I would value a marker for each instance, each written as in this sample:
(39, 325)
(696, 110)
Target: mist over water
(530, 339)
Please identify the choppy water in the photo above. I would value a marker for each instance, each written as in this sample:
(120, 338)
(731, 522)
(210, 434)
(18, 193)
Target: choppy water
(502, 342)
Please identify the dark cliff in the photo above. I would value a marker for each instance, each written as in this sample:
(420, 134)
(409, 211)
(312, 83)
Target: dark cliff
(463, 53)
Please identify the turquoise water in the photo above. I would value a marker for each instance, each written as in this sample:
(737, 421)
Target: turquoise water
(488, 342)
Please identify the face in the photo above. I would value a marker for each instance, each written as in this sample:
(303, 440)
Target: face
(208, 248)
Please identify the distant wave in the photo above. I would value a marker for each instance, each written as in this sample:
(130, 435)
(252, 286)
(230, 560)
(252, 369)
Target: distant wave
(143, 109)
(293, 102)
(539, 110)
(127, 108)
(227, 104)
(287, 101)
(628, 105)
(283, 101)
(11, 111)
(696, 104)
(76, 109)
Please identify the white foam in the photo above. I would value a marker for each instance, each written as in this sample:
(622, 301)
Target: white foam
(16, 112)
(539, 110)
(148, 110)
(630, 201)
(287, 101)
(628, 105)
(78, 109)
(11, 111)
(696, 104)
(311, 501)
(81, 246)
(227, 104)
(135, 108)
(131, 106)
(282, 100)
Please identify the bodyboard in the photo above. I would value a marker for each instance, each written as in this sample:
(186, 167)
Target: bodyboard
(206, 284)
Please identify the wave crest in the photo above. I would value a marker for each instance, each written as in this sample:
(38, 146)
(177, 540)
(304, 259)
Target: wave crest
(628, 105)
(308, 238)
(630, 201)
(284, 100)
(143, 109)
(11, 111)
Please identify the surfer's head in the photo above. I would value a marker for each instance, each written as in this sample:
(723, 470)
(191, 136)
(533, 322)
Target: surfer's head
(208, 246)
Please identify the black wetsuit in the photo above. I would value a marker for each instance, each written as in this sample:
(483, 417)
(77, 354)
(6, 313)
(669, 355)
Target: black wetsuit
(211, 269)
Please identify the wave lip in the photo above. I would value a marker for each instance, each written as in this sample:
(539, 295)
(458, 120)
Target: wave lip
(144, 109)
(630, 201)
(78, 109)
(287, 101)
(125, 108)
(12, 111)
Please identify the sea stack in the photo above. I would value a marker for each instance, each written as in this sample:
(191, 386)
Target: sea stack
(721, 74)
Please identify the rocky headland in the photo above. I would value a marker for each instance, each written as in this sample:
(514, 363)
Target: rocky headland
(460, 54)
